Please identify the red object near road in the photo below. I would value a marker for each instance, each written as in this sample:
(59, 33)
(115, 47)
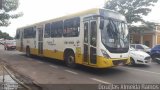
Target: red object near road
(9, 45)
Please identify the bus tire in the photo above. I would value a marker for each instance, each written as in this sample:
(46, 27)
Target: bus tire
(70, 59)
(28, 53)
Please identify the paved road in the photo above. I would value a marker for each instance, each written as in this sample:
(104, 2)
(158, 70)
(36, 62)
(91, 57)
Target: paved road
(49, 71)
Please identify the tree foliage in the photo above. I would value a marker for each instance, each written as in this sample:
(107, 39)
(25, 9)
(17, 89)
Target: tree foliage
(5, 35)
(134, 10)
(8, 11)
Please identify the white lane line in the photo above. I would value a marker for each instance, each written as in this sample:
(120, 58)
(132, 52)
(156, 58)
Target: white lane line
(154, 64)
(101, 81)
(53, 66)
(142, 70)
(71, 72)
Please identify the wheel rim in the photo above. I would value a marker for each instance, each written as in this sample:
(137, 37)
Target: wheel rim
(132, 62)
(70, 60)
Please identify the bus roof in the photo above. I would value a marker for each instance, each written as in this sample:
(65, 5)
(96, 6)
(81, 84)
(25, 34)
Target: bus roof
(89, 11)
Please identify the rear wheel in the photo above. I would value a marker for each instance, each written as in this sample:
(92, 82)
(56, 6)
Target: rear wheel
(70, 59)
(28, 54)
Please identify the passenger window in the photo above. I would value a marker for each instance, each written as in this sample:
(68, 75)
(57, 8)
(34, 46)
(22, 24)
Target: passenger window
(86, 32)
(57, 29)
(93, 38)
(71, 27)
(47, 30)
(29, 32)
(17, 34)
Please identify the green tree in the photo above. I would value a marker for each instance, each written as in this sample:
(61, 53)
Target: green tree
(134, 10)
(5, 35)
(8, 11)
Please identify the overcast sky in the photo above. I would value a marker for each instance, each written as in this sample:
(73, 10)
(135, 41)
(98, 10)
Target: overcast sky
(40, 10)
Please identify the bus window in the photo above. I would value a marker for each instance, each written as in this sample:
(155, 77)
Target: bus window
(17, 34)
(47, 30)
(93, 37)
(86, 32)
(56, 29)
(29, 32)
(71, 27)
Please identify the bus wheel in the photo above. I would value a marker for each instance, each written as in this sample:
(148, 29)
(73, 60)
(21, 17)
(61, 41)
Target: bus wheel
(70, 60)
(28, 54)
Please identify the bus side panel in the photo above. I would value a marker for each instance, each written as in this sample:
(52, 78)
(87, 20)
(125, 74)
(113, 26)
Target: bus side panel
(30, 43)
(53, 48)
(79, 47)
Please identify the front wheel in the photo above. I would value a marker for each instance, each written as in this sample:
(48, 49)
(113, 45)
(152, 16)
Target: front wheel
(70, 59)
(132, 62)
(156, 58)
(158, 61)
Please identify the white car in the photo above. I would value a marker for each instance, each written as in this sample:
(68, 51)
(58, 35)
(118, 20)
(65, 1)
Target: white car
(139, 57)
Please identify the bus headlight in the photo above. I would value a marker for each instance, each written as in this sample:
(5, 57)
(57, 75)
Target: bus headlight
(105, 54)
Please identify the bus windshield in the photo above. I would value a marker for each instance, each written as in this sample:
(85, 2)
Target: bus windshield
(115, 36)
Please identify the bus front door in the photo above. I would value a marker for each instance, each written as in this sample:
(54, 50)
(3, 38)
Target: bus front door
(90, 42)
(40, 40)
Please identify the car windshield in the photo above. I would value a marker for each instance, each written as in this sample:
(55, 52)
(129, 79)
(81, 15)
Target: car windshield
(115, 35)
(11, 43)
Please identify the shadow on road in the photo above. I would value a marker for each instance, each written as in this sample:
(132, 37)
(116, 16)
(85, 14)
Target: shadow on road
(80, 68)
(104, 71)
(139, 66)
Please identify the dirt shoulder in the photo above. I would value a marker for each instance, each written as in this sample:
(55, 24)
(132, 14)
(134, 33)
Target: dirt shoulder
(27, 81)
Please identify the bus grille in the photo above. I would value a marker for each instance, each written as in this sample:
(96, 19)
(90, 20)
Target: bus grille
(119, 62)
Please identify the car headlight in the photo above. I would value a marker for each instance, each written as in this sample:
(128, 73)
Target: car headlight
(105, 54)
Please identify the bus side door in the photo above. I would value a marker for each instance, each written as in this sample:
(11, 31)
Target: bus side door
(40, 39)
(90, 42)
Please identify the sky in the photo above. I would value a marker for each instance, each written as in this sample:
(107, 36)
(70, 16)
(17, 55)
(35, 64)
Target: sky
(40, 10)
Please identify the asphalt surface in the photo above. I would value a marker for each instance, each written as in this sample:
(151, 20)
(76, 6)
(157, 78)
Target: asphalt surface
(50, 71)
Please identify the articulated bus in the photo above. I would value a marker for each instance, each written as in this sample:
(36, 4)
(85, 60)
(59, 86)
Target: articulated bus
(96, 38)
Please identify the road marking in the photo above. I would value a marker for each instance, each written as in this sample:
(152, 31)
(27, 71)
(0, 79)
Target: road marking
(53, 66)
(142, 70)
(71, 72)
(101, 81)
(154, 63)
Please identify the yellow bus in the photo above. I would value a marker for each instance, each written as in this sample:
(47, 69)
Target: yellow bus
(96, 38)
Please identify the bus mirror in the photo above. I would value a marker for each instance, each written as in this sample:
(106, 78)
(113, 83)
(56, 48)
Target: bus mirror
(101, 24)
